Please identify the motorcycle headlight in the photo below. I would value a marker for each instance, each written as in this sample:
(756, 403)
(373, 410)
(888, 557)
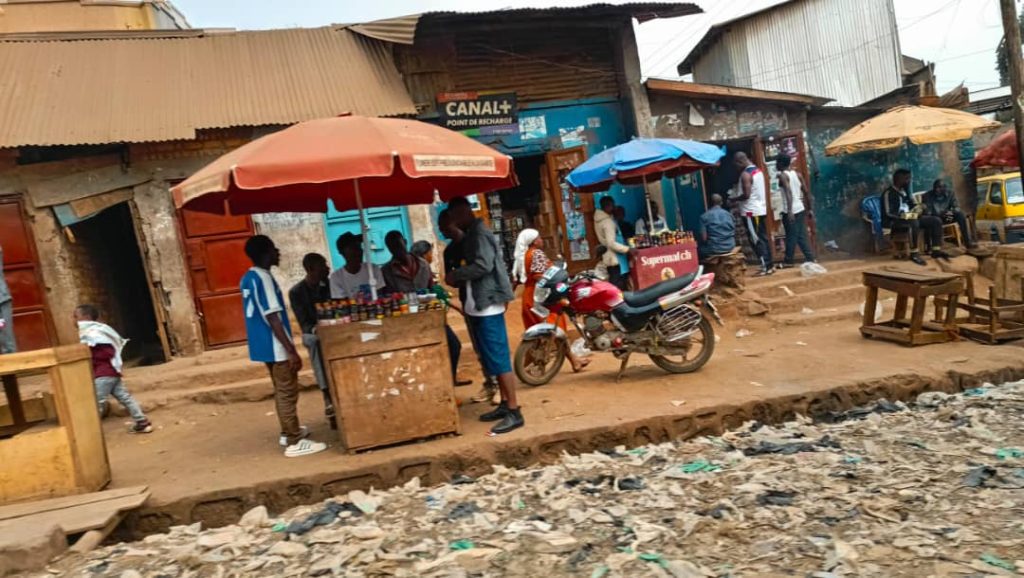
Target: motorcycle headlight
(540, 294)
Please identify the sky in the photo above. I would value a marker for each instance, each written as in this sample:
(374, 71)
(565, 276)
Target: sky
(959, 36)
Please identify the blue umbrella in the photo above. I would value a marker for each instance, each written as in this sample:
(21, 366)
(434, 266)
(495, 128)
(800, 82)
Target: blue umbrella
(643, 159)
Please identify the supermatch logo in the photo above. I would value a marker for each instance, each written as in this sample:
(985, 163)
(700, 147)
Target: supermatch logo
(666, 259)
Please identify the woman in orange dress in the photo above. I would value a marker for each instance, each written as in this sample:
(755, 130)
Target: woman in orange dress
(530, 265)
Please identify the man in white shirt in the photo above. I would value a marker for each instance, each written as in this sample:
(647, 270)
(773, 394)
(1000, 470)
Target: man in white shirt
(797, 207)
(659, 222)
(753, 208)
(346, 281)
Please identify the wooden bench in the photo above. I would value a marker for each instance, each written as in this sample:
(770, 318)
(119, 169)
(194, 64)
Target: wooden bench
(917, 286)
(989, 320)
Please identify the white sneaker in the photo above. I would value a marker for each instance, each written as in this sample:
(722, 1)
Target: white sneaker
(303, 434)
(304, 448)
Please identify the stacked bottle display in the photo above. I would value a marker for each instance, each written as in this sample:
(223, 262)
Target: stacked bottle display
(362, 308)
(661, 239)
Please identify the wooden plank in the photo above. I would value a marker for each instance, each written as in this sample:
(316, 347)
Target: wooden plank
(41, 358)
(36, 464)
(75, 186)
(74, 397)
(41, 506)
(96, 203)
(391, 334)
(918, 277)
(698, 90)
(870, 303)
(13, 396)
(80, 519)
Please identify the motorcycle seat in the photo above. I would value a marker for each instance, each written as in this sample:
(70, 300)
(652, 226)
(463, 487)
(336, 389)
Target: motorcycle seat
(646, 297)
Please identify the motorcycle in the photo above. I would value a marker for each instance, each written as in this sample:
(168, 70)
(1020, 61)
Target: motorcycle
(669, 322)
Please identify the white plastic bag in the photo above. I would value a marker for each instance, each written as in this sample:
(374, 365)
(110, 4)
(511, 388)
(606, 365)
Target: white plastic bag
(812, 270)
(579, 349)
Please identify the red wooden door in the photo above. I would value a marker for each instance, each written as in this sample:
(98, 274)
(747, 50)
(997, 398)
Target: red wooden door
(33, 326)
(214, 249)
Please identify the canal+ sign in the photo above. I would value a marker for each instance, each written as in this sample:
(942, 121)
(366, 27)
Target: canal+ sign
(466, 110)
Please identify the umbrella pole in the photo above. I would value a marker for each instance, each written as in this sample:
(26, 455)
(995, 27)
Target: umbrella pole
(367, 246)
(647, 201)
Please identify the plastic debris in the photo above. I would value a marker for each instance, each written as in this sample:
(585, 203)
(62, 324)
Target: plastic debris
(926, 488)
(776, 498)
(699, 466)
(812, 270)
(1009, 454)
(740, 334)
(993, 560)
(807, 311)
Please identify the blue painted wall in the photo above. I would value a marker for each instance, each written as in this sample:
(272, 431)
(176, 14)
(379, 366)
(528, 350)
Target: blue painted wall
(839, 183)
(599, 121)
(381, 221)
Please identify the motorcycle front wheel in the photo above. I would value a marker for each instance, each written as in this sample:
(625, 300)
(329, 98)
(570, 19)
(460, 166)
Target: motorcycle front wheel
(538, 361)
(692, 358)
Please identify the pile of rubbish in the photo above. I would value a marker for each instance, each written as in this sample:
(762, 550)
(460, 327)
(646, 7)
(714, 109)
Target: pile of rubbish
(929, 489)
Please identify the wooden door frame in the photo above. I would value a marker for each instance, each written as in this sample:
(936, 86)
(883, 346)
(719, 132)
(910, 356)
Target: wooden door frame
(812, 229)
(51, 328)
(158, 309)
(179, 223)
(553, 188)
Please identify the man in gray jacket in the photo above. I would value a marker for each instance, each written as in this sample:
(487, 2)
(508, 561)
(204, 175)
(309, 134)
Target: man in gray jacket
(488, 290)
(6, 313)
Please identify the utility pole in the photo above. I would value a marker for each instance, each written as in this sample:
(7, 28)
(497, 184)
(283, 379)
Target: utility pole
(1011, 31)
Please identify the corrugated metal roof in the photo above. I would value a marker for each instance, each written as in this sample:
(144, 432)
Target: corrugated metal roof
(402, 30)
(716, 29)
(166, 87)
(837, 37)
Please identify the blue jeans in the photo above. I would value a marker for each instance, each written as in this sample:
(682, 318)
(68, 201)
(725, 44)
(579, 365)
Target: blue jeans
(7, 344)
(114, 386)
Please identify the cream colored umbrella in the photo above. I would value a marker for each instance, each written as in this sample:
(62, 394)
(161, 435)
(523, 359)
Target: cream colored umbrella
(916, 124)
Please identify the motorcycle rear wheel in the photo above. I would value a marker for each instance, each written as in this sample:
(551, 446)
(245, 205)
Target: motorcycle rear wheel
(704, 338)
(538, 361)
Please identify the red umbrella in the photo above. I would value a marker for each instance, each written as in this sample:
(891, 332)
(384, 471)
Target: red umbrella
(1001, 152)
(356, 162)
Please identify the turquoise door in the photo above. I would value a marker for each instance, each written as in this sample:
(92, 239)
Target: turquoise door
(381, 221)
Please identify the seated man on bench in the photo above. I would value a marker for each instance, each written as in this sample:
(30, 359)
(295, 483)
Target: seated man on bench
(899, 213)
(940, 203)
(717, 230)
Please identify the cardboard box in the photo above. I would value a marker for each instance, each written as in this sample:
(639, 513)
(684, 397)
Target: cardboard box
(657, 264)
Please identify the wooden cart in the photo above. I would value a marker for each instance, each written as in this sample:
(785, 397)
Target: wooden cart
(390, 379)
(48, 460)
(917, 286)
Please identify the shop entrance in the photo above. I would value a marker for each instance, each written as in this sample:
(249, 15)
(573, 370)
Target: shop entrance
(724, 180)
(543, 201)
(106, 248)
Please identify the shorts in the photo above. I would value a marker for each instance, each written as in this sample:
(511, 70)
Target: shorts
(492, 337)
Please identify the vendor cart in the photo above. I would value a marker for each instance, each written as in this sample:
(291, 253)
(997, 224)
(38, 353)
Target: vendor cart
(387, 366)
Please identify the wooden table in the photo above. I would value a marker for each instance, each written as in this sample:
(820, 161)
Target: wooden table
(917, 286)
(390, 379)
(47, 460)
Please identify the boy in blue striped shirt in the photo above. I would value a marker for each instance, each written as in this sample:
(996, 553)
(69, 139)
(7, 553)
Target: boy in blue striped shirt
(270, 342)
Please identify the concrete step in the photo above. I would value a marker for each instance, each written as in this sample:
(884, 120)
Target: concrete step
(793, 275)
(803, 285)
(819, 299)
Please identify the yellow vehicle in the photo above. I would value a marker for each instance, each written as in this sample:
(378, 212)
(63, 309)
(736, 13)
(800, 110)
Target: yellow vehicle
(1000, 214)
